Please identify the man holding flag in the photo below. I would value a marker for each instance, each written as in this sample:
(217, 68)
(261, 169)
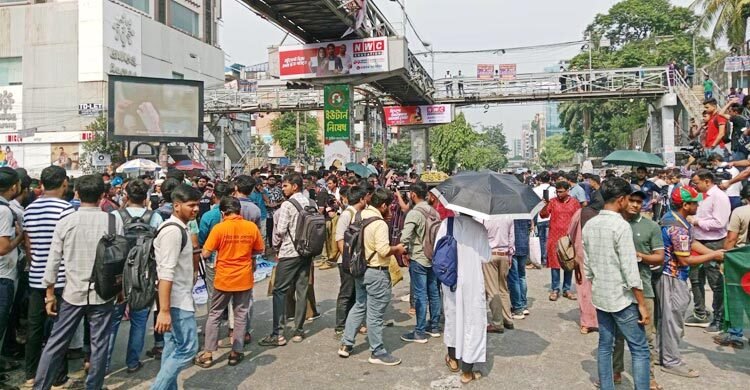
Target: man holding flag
(737, 275)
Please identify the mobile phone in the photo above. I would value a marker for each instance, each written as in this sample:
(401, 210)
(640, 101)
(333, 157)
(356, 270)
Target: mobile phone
(546, 195)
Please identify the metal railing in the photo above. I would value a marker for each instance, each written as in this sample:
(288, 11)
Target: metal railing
(568, 82)
(278, 99)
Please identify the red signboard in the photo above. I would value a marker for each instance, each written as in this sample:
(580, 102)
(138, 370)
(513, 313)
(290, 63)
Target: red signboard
(418, 115)
(328, 59)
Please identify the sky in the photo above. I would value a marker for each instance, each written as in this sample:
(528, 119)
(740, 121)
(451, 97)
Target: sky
(452, 25)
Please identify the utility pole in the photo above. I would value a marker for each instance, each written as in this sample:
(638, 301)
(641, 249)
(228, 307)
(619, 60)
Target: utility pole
(304, 144)
(299, 165)
(591, 76)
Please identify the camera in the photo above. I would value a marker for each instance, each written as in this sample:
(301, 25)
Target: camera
(722, 173)
(401, 187)
(694, 150)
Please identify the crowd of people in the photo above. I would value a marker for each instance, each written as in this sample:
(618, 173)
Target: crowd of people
(642, 243)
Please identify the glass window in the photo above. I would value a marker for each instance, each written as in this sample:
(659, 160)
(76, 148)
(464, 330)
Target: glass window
(143, 5)
(183, 18)
(11, 71)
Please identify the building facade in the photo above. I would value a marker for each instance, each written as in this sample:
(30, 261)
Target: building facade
(56, 56)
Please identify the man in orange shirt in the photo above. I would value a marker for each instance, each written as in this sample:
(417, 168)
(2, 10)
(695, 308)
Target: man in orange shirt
(236, 241)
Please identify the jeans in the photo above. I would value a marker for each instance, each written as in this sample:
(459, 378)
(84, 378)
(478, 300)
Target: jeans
(736, 333)
(291, 271)
(698, 277)
(517, 283)
(7, 298)
(426, 292)
(737, 156)
(345, 299)
(180, 347)
(136, 336)
(567, 279)
(66, 323)
(626, 321)
(373, 294)
(542, 229)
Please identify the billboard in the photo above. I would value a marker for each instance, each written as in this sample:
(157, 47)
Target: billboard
(142, 109)
(737, 64)
(337, 118)
(418, 115)
(485, 71)
(338, 154)
(507, 71)
(358, 56)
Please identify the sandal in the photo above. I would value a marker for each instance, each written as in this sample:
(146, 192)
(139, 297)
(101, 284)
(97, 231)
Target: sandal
(204, 360)
(570, 296)
(474, 376)
(553, 296)
(272, 341)
(585, 330)
(452, 364)
(363, 330)
(655, 386)
(235, 358)
(298, 337)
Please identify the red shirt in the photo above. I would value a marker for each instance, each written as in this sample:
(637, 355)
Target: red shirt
(712, 130)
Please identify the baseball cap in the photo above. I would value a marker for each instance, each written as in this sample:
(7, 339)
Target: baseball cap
(684, 194)
(636, 190)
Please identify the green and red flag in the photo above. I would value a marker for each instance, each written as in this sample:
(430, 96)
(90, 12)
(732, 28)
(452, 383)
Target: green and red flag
(737, 287)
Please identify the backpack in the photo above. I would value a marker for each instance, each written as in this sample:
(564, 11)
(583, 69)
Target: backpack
(140, 276)
(353, 258)
(727, 129)
(566, 253)
(136, 229)
(310, 234)
(111, 253)
(431, 227)
(445, 258)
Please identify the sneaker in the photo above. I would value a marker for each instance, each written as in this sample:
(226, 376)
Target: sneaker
(414, 337)
(327, 265)
(508, 325)
(526, 312)
(345, 351)
(698, 322)
(714, 328)
(433, 332)
(385, 359)
(726, 340)
(518, 315)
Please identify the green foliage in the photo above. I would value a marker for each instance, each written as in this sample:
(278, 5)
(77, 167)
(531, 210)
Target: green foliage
(725, 19)
(457, 144)
(99, 143)
(642, 33)
(284, 131)
(555, 153)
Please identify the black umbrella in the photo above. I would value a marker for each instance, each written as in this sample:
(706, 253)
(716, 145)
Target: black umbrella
(488, 195)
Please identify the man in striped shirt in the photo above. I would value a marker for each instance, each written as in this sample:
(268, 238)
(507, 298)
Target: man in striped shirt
(39, 221)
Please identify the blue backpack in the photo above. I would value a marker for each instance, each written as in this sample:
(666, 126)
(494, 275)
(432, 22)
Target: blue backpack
(445, 259)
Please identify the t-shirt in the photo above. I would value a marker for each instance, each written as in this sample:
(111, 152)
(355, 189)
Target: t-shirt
(708, 86)
(739, 222)
(712, 130)
(647, 238)
(678, 239)
(649, 188)
(235, 240)
(257, 198)
(738, 122)
(250, 211)
(39, 221)
(204, 204)
(8, 269)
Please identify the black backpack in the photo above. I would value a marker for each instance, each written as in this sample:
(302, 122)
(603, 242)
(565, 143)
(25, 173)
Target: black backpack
(140, 269)
(111, 253)
(353, 258)
(310, 234)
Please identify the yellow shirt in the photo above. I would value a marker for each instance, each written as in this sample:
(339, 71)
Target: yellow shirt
(377, 239)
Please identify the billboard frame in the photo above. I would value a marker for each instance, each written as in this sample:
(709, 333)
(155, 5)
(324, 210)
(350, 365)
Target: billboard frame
(111, 79)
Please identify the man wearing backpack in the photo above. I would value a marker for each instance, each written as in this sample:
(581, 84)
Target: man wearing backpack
(292, 268)
(135, 212)
(418, 235)
(75, 239)
(373, 289)
(174, 265)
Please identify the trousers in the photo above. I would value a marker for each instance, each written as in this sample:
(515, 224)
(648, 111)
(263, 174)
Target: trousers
(496, 289)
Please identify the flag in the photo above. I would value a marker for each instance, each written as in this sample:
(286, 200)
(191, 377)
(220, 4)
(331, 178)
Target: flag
(737, 287)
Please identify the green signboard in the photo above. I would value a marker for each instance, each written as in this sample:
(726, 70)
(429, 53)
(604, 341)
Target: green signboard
(337, 117)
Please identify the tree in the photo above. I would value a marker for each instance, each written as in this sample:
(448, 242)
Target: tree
(728, 18)
(100, 143)
(284, 131)
(457, 144)
(554, 152)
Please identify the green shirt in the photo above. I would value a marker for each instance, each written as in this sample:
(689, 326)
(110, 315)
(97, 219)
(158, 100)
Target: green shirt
(708, 86)
(412, 235)
(647, 238)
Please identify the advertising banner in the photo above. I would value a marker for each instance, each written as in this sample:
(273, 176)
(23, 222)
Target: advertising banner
(359, 56)
(337, 154)
(418, 115)
(11, 107)
(737, 64)
(485, 71)
(507, 71)
(337, 119)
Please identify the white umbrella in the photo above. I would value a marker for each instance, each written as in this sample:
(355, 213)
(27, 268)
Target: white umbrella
(139, 164)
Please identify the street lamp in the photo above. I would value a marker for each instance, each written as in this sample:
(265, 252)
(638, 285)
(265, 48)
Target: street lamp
(428, 46)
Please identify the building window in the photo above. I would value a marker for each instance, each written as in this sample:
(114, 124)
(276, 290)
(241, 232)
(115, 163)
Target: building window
(11, 71)
(208, 21)
(183, 18)
(178, 76)
(143, 5)
(161, 11)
